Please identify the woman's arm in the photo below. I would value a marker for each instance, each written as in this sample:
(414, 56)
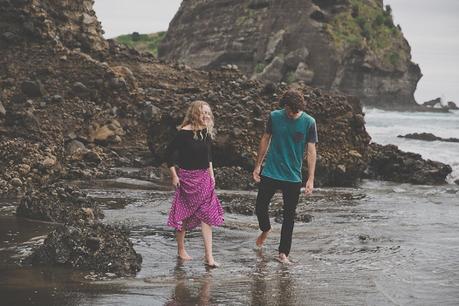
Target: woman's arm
(211, 172)
(175, 178)
(170, 160)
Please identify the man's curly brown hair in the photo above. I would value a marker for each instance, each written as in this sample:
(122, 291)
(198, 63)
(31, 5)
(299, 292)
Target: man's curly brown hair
(293, 99)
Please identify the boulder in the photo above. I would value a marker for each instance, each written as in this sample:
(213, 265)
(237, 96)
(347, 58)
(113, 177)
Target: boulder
(391, 164)
(95, 247)
(452, 105)
(433, 103)
(33, 89)
(110, 131)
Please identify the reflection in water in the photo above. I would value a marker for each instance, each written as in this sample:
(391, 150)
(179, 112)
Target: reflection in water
(259, 286)
(185, 289)
(284, 294)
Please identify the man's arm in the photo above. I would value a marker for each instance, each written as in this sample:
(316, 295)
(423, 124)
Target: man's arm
(312, 157)
(262, 149)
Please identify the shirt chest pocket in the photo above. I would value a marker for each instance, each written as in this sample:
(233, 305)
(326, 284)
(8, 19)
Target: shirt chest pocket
(298, 137)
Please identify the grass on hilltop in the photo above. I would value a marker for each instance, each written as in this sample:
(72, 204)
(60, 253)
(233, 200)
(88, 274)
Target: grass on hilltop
(142, 42)
(365, 25)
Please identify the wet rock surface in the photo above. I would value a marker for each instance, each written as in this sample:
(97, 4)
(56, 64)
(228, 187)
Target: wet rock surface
(96, 247)
(427, 137)
(391, 164)
(59, 203)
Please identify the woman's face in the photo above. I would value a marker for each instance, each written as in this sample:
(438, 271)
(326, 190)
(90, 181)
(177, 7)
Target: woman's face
(206, 115)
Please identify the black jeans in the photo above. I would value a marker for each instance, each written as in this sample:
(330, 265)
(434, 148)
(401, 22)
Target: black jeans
(290, 195)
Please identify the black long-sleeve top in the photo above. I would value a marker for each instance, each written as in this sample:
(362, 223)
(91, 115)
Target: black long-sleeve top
(189, 153)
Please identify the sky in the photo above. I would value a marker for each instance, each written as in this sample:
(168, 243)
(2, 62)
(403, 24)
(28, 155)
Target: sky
(431, 28)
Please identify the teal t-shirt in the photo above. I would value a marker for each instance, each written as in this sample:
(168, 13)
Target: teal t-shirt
(288, 143)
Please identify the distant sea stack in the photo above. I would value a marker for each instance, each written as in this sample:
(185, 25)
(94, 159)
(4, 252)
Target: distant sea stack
(349, 46)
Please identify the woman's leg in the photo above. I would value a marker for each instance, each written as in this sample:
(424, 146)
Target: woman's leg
(181, 252)
(207, 236)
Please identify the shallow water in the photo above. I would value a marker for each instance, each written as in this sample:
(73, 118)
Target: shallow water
(379, 244)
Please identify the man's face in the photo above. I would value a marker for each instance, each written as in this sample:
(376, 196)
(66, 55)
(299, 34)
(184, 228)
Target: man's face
(290, 114)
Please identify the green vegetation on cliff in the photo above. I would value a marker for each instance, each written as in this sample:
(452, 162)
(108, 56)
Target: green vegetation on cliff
(365, 25)
(142, 42)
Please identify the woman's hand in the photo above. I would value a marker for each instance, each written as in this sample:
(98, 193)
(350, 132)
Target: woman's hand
(175, 181)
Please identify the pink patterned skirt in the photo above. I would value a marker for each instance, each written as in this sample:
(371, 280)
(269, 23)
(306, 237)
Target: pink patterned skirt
(195, 201)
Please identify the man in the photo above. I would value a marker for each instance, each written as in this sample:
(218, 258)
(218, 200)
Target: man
(288, 132)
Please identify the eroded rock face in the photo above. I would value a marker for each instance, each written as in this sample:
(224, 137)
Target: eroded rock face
(391, 164)
(97, 247)
(349, 46)
(72, 24)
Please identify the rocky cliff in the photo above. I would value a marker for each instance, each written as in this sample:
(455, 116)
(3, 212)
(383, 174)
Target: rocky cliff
(349, 46)
(72, 24)
(73, 105)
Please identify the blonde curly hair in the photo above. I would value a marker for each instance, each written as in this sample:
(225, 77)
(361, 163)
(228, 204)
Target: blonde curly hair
(192, 118)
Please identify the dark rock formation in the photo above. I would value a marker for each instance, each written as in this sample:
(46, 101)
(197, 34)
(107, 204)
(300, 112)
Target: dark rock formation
(95, 247)
(433, 103)
(436, 104)
(390, 164)
(452, 105)
(349, 46)
(427, 137)
(59, 203)
(241, 110)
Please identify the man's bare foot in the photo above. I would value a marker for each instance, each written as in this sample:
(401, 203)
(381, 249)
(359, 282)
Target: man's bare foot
(262, 238)
(282, 258)
(211, 263)
(183, 255)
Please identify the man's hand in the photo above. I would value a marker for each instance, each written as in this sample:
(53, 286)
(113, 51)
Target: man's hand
(175, 181)
(256, 174)
(309, 187)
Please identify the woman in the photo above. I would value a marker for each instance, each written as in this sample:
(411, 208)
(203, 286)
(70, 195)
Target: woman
(195, 202)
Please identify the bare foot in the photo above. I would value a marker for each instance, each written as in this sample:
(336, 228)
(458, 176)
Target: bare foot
(282, 258)
(261, 239)
(183, 255)
(211, 263)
